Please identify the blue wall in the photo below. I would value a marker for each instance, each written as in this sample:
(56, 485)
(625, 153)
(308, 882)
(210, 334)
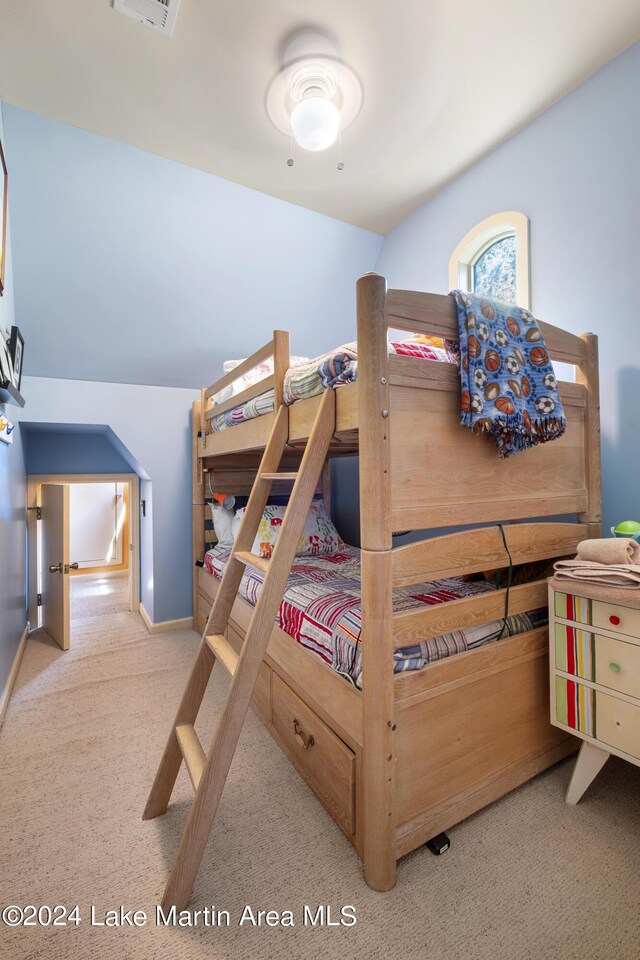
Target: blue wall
(13, 501)
(131, 268)
(574, 172)
(51, 449)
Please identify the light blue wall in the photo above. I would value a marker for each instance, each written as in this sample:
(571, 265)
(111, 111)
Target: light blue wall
(131, 268)
(13, 500)
(574, 172)
(153, 424)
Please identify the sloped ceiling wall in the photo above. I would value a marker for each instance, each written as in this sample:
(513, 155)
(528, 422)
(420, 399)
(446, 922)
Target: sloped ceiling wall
(131, 268)
(70, 448)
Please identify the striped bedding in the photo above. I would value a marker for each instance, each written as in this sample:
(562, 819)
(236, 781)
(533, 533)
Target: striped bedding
(332, 369)
(321, 611)
(256, 407)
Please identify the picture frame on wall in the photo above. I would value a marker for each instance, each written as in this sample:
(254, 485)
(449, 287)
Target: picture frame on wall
(4, 188)
(16, 352)
(6, 365)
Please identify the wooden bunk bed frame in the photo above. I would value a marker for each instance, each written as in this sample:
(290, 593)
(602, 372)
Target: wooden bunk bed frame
(414, 753)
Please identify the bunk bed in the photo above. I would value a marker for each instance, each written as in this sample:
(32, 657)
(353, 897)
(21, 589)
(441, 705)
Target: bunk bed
(413, 753)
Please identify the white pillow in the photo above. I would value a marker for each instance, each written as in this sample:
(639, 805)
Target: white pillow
(319, 537)
(222, 524)
(263, 369)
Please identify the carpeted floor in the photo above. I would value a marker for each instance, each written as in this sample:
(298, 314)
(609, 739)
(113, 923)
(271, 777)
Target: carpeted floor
(98, 597)
(528, 879)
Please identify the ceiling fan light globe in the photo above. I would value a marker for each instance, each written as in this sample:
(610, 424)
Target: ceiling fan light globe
(315, 123)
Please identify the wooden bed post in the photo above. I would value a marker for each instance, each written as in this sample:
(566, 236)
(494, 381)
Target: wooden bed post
(587, 375)
(379, 725)
(198, 500)
(281, 363)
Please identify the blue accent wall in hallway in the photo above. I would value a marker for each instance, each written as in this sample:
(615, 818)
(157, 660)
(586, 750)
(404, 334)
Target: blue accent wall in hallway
(75, 448)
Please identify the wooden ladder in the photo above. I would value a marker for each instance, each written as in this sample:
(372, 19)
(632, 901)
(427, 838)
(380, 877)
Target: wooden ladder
(208, 772)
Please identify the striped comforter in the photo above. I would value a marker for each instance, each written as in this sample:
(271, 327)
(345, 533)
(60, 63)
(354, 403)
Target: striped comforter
(321, 611)
(332, 369)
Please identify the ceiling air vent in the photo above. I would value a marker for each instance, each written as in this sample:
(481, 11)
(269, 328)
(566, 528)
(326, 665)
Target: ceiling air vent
(159, 14)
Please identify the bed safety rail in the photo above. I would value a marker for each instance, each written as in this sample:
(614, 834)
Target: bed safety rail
(473, 551)
(278, 349)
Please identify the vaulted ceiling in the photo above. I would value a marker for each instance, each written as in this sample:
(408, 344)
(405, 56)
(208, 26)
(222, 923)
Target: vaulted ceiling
(443, 84)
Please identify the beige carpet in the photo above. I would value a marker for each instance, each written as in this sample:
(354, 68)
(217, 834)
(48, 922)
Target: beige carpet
(98, 597)
(527, 878)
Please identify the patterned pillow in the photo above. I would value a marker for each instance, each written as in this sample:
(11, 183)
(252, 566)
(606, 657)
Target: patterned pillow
(427, 348)
(319, 537)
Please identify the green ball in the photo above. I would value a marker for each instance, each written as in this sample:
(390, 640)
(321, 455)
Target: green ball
(627, 528)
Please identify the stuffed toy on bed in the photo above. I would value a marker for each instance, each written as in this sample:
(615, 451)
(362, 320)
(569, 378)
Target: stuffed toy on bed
(222, 516)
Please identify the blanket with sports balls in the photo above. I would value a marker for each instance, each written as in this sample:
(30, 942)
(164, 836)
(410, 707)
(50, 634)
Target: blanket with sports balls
(508, 387)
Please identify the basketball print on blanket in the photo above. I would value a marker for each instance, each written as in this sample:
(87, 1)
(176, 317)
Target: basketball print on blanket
(509, 391)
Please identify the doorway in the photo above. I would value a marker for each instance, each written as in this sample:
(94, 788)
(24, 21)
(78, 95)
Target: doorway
(83, 549)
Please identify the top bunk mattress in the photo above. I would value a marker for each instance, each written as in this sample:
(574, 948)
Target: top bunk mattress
(329, 371)
(321, 611)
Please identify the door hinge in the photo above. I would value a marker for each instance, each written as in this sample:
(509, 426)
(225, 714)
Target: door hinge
(39, 600)
(38, 511)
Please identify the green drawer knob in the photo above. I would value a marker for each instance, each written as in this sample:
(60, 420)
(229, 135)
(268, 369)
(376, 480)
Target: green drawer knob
(615, 667)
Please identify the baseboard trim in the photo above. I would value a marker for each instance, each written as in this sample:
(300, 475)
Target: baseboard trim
(13, 673)
(164, 626)
(102, 575)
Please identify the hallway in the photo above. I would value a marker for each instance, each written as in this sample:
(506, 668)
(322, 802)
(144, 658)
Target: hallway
(98, 597)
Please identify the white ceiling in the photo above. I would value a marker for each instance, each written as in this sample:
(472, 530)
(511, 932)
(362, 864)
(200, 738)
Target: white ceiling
(444, 82)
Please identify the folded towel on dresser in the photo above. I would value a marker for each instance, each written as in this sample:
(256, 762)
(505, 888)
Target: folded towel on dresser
(609, 575)
(614, 550)
(508, 387)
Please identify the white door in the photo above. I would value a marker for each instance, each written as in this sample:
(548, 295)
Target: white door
(54, 502)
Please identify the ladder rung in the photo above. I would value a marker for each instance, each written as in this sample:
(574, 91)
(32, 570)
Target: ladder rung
(251, 560)
(224, 652)
(279, 476)
(194, 755)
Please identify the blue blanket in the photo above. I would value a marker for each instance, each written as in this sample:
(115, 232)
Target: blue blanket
(508, 387)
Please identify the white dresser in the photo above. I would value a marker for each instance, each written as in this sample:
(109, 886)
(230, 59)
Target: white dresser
(594, 658)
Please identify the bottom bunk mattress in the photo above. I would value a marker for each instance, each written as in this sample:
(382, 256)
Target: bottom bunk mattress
(321, 611)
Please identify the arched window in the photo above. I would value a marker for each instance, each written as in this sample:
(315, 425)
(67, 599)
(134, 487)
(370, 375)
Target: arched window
(493, 259)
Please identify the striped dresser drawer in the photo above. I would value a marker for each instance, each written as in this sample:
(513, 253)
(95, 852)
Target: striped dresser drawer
(602, 660)
(576, 706)
(613, 722)
(570, 607)
(597, 613)
(575, 651)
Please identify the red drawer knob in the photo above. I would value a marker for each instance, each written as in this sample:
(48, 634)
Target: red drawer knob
(614, 620)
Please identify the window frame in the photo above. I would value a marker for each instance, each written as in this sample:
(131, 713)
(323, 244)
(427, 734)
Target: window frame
(509, 223)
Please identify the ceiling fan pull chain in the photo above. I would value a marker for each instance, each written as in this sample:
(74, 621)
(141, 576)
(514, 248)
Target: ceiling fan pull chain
(290, 161)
